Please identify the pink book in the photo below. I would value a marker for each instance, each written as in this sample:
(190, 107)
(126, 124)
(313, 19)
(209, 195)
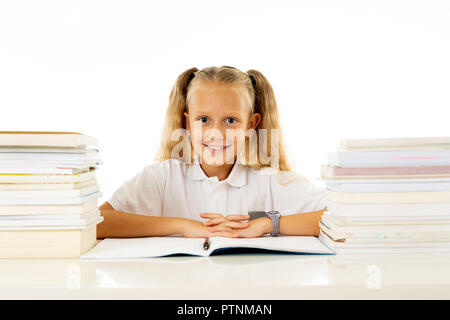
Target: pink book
(369, 171)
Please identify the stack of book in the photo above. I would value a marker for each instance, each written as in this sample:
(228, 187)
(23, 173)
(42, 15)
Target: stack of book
(388, 195)
(48, 194)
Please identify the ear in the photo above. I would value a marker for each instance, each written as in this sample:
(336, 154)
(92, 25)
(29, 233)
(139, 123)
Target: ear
(185, 120)
(254, 120)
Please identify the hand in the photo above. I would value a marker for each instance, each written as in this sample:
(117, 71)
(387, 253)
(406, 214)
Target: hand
(228, 223)
(256, 228)
(196, 229)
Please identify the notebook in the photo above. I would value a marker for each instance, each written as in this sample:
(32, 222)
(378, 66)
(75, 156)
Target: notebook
(118, 248)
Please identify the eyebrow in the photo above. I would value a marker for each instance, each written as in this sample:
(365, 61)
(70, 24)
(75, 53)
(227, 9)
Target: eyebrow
(208, 110)
(234, 115)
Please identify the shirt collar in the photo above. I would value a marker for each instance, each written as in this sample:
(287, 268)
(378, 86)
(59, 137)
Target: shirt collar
(237, 177)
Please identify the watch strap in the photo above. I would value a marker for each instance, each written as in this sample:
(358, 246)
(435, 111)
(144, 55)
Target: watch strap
(275, 217)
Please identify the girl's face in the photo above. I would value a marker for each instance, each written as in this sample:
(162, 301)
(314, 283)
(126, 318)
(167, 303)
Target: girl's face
(217, 114)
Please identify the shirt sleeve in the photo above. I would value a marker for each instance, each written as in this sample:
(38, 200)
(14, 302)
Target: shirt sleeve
(141, 194)
(296, 194)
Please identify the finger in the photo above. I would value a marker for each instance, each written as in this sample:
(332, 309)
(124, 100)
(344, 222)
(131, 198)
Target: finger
(214, 221)
(210, 215)
(225, 234)
(236, 225)
(237, 217)
(220, 228)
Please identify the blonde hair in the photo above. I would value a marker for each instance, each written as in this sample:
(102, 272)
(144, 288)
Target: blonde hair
(262, 100)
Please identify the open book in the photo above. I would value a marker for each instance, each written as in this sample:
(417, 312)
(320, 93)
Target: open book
(164, 246)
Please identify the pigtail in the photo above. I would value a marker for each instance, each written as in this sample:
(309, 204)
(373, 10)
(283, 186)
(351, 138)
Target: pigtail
(174, 119)
(265, 104)
(178, 95)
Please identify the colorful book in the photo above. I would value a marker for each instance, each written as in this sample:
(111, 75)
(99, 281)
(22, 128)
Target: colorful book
(337, 172)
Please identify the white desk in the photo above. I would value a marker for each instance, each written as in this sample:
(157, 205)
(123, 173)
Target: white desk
(239, 276)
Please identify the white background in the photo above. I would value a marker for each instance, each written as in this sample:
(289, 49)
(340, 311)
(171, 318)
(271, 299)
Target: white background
(340, 69)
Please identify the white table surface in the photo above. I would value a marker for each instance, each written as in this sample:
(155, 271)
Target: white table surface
(234, 276)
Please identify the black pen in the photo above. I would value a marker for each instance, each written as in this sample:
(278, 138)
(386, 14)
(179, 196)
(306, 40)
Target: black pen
(206, 244)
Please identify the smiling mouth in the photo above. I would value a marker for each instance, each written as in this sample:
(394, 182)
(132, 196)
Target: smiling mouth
(216, 148)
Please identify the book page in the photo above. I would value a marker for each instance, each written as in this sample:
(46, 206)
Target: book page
(299, 244)
(148, 247)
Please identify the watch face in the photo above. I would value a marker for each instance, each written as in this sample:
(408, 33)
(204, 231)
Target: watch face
(256, 214)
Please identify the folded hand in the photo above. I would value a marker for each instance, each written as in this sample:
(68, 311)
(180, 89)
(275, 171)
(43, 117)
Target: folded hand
(234, 226)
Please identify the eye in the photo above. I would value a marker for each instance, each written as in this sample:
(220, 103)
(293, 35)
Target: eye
(230, 121)
(203, 119)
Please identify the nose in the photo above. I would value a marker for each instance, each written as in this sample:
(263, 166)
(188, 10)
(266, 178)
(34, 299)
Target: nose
(215, 133)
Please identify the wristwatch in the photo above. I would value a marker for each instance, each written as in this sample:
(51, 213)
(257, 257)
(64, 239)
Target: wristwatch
(272, 215)
(275, 217)
(256, 214)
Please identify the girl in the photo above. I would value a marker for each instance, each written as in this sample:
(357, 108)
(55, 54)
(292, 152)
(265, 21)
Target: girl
(221, 157)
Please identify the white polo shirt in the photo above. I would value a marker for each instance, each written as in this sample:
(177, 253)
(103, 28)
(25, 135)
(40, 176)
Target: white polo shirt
(173, 188)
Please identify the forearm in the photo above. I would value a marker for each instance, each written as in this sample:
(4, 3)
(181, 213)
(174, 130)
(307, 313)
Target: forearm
(118, 224)
(302, 224)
